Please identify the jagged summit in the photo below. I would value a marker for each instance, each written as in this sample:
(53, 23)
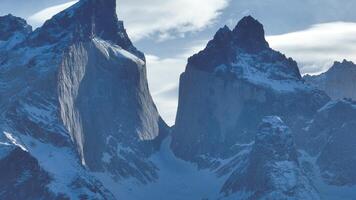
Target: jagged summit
(344, 63)
(9, 25)
(250, 35)
(83, 21)
(243, 53)
(338, 82)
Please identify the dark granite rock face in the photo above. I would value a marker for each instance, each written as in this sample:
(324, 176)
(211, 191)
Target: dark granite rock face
(226, 90)
(337, 160)
(273, 170)
(22, 177)
(250, 35)
(230, 48)
(331, 137)
(82, 22)
(9, 25)
(330, 118)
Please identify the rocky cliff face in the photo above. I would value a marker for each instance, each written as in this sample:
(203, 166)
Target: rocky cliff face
(82, 22)
(331, 138)
(13, 30)
(338, 82)
(230, 86)
(74, 95)
(273, 170)
(77, 120)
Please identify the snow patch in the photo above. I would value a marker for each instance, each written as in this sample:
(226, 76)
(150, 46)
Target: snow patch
(14, 140)
(60, 163)
(260, 73)
(178, 180)
(108, 49)
(40, 115)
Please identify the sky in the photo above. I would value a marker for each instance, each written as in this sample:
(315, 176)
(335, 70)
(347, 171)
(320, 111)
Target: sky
(315, 33)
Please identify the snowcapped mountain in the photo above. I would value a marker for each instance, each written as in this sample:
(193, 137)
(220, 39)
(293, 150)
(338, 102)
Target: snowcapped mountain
(74, 102)
(338, 82)
(78, 122)
(230, 86)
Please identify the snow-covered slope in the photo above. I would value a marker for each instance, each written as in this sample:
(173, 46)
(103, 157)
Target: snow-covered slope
(338, 82)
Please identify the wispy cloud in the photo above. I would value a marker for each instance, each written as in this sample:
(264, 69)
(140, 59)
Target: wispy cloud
(40, 17)
(317, 47)
(162, 19)
(163, 78)
(168, 18)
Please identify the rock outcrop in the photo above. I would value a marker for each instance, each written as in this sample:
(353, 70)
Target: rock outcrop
(338, 82)
(74, 94)
(273, 170)
(230, 86)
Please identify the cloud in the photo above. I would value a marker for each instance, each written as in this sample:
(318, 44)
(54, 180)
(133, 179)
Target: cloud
(168, 18)
(40, 17)
(163, 77)
(162, 19)
(317, 47)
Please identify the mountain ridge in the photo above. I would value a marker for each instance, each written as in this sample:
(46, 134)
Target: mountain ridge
(78, 121)
(338, 82)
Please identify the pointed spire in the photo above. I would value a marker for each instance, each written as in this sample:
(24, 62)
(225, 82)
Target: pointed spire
(10, 24)
(343, 64)
(250, 35)
(83, 21)
(222, 37)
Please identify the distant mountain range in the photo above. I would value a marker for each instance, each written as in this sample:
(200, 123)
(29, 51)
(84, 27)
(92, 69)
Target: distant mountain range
(338, 82)
(78, 121)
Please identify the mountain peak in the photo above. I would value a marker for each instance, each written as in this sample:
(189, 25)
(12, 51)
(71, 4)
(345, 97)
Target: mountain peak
(344, 63)
(235, 54)
(10, 24)
(250, 35)
(83, 21)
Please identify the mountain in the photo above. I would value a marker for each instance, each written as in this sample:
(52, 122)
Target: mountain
(338, 82)
(13, 30)
(229, 87)
(75, 104)
(78, 122)
(331, 138)
(273, 170)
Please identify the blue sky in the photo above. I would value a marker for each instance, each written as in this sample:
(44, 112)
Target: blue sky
(314, 32)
